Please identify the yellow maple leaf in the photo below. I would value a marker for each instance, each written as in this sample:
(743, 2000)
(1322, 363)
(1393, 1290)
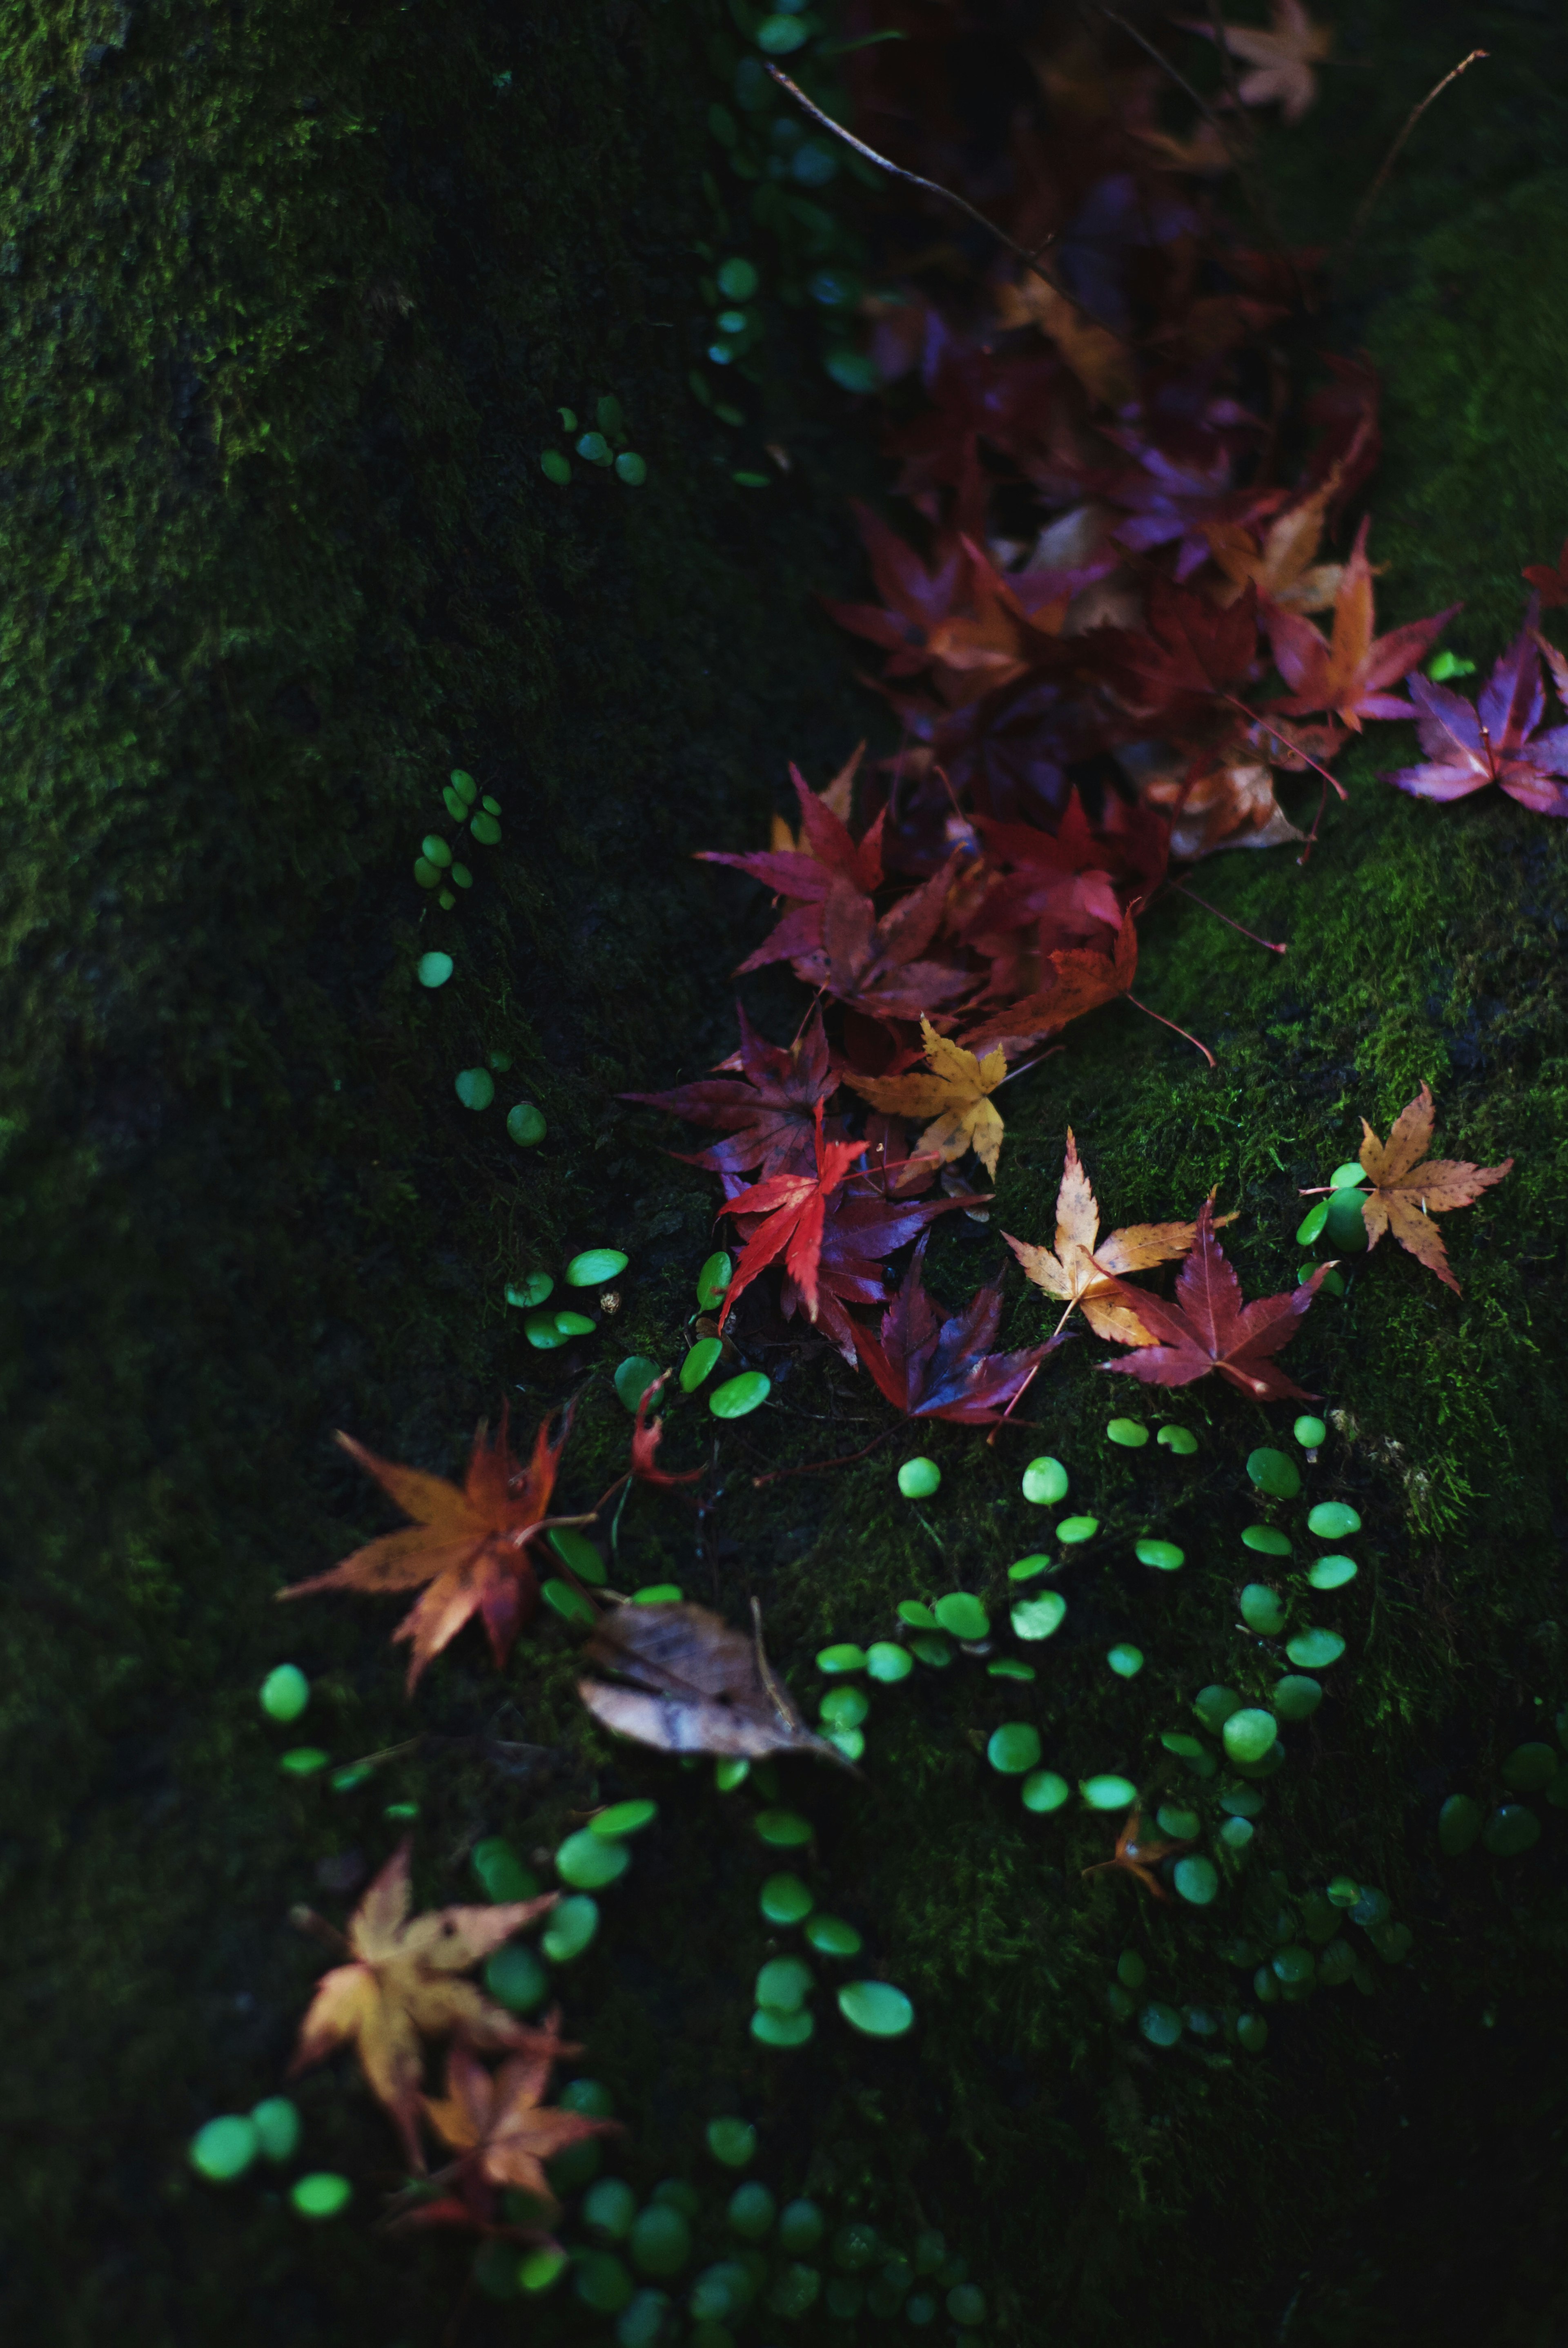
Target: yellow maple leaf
(1407, 1188)
(401, 1985)
(1083, 1271)
(954, 1092)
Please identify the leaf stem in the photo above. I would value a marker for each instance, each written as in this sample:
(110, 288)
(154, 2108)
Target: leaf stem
(1268, 943)
(1364, 209)
(814, 1467)
(1173, 1026)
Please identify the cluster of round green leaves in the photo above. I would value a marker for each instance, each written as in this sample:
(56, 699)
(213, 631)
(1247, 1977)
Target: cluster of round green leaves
(1512, 1828)
(876, 2008)
(516, 1975)
(436, 866)
(604, 445)
(734, 1398)
(593, 1267)
(284, 1695)
(226, 2148)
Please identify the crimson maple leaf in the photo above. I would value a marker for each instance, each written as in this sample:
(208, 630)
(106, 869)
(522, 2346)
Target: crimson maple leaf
(829, 853)
(1495, 740)
(1350, 675)
(1078, 979)
(932, 1369)
(1066, 884)
(767, 1110)
(859, 1232)
(1550, 581)
(470, 1545)
(647, 1433)
(875, 965)
(1209, 1328)
(792, 1208)
(1191, 650)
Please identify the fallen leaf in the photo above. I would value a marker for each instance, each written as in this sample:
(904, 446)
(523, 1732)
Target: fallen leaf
(791, 1207)
(1137, 1857)
(1470, 744)
(647, 1433)
(955, 1094)
(1408, 1189)
(768, 1111)
(695, 1685)
(402, 1984)
(1283, 566)
(1209, 1328)
(860, 1231)
(1103, 364)
(1550, 581)
(1281, 59)
(875, 965)
(499, 2124)
(1231, 804)
(1190, 653)
(1350, 675)
(470, 1545)
(827, 853)
(1084, 1271)
(1080, 980)
(932, 1368)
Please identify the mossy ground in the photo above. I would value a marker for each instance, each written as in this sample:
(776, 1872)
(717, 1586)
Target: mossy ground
(291, 302)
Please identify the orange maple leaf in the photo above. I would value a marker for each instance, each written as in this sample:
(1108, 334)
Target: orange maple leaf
(1405, 1194)
(1080, 980)
(1139, 1859)
(1350, 675)
(1283, 566)
(498, 2123)
(470, 1545)
(1083, 1271)
(401, 1984)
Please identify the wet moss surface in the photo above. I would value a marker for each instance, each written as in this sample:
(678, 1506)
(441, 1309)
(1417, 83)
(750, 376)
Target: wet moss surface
(290, 308)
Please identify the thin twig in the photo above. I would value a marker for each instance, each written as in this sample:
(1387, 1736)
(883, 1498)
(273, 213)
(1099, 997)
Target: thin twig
(815, 1466)
(1173, 1026)
(1012, 1406)
(934, 188)
(1294, 747)
(1416, 112)
(1268, 943)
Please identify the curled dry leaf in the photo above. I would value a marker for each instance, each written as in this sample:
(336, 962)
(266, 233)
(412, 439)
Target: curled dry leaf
(470, 1545)
(955, 1095)
(1084, 1271)
(1137, 1856)
(402, 1984)
(692, 1685)
(1408, 1187)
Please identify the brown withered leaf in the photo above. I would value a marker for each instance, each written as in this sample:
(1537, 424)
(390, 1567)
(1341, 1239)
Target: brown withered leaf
(1283, 565)
(1083, 1271)
(954, 1092)
(402, 1983)
(499, 2124)
(693, 1685)
(470, 1545)
(1103, 364)
(1081, 979)
(1408, 1189)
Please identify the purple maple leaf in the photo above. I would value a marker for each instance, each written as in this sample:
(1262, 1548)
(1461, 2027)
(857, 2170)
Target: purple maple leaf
(932, 1368)
(1469, 745)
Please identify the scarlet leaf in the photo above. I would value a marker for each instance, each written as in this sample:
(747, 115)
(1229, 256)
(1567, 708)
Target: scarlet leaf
(1550, 581)
(768, 1111)
(932, 1368)
(692, 1685)
(1209, 1328)
(402, 1983)
(1080, 980)
(646, 1436)
(471, 1546)
(1350, 675)
(792, 1207)
(1408, 1189)
(1191, 651)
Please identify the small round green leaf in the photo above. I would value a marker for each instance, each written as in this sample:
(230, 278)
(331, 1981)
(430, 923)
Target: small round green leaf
(634, 1376)
(700, 1361)
(1276, 1473)
(1162, 1555)
(1311, 1225)
(1314, 1650)
(1196, 1879)
(1037, 1618)
(594, 1266)
(1511, 1830)
(732, 2142)
(784, 1983)
(577, 1554)
(844, 1657)
(1310, 1433)
(772, 2026)
(1261, 1610)
(713, 1280)
(1107, 1791)
(623, 1818)
(284, 1693)
(918, 1479)
(739, 1396)
(541, 1331)
(1265, 1540)
(278, 2128)
(888, 1662)
(1014, 1748)
(1529, 1768)
(1125, 1660)
(433, 969)
(1179, 1439)
(1028, 1568)
(785, 1899)
(588, 1862)
(1249, 1734)
(1331, 1573)
(573, 1324)
(785, 1829)
(556, 468)
(304, 1761)
(525, 1126)
(531, 1290)
(1044, 1791)
(516, 1979)
(1333, 1520)
(737, 280)
(1459, 1826)
(876, 2008)
(962, 1616)
(224, 2149)
(1345, 1224)
(1129, 1432)
(486, 830)
(1045, 1481)
(631, 468)
(832, 1937)
(321, 2195)
(1073, 1531)
(1214, 1705)
(1296, 1697)
(569, 1929)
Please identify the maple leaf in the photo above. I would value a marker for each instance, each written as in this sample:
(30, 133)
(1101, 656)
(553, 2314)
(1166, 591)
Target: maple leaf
(1469, 745)
(860, 1231)
(932, 1368)
(875, 965)
(955, 1094)
(837, 797)
(1102, 362)
(806, 873)
(1350, 675)
(1281, 59)
(768, 1111)
(1064, 882)
(471, 1545)
(695, 1685)
(1408, 1189)
(1191, 650)
(1180, 493)
(1550, 581)
(646, 1436)
(792, 1208)
(1283, 567)
(1227, 803)
(499, 2124)
(402, 1983)
(1138, 1858)
(1209, 1328)
(1083, 1272)
(1079, 981)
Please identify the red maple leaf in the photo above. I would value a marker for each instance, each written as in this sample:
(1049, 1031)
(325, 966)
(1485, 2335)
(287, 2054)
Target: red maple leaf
(874, 965)
(1495, 740)
(1066, 884)
(791, 1207)
(828, 853)
(859, 1232)
(932, 1369)
(1191, 651)
(1350, 675)
(1550, 581)
(1078, 980)
(1209, 1328)
(768, 1111)
(647, 1433)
